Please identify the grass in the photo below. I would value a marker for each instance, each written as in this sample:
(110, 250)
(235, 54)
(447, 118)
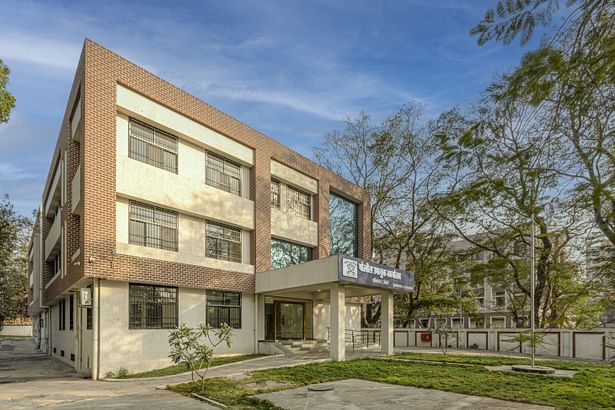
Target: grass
(180, 368)
(593, 387)
(233, 393)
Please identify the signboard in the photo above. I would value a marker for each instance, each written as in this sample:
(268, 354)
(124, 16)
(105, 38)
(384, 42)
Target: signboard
(85, 297)
(374, 275)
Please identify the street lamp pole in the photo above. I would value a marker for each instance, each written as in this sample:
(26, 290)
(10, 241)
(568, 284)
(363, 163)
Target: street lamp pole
(532, 290)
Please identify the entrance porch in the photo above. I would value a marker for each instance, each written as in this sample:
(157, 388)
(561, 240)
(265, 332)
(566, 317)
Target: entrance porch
(319, 300)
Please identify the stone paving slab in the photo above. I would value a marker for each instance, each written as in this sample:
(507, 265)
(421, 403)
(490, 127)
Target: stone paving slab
(361, 394)
(558, 373)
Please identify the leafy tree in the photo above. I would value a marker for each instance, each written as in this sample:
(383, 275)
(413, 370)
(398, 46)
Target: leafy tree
(14, 236)
(188, 347)
(7, 101)
(571, 78)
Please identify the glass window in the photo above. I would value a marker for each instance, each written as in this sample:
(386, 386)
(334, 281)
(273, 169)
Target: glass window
(152, 146)
(298, 203)
(342, 226)
(223, 242)
(275, 194)
(223, 307)
(152, 226)
(222, 173)
(152, 307)
(287, 253)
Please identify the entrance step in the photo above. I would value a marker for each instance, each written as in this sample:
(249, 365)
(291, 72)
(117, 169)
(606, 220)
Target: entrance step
(302, 346)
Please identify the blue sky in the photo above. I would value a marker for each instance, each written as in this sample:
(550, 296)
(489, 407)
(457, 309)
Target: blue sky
(291, 69)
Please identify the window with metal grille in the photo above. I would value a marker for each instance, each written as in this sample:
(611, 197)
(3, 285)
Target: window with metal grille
(275, 194)
(152, 146)
(222, 173)
(71, 312)
(223, 307)
(152, 307)
(298, 203)
(152, 226)
(88, 318)
(222, 242)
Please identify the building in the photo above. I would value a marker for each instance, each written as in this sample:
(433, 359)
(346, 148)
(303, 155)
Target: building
(166, 211)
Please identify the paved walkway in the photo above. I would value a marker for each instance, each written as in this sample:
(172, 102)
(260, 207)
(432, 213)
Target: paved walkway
(361, 394)
(31, 380)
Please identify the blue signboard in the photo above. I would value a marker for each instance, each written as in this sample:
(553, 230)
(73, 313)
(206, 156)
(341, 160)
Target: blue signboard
(374, 275)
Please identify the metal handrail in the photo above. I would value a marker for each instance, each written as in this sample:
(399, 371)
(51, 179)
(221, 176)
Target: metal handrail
(359, 338)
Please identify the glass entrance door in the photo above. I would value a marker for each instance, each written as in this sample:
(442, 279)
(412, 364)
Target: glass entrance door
(290, 320)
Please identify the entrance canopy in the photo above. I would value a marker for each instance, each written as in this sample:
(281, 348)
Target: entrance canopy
(331, 280)
(359, 277)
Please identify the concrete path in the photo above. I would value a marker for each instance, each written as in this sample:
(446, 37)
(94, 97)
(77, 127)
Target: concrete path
(361, 394)
(38, 386)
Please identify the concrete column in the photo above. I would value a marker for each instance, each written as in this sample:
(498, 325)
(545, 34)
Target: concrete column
(386, 319)
(337, 323)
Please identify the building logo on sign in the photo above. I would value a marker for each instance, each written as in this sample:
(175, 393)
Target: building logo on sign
(350, 268)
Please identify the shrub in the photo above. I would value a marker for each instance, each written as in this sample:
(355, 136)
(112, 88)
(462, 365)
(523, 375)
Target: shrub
(187, 347)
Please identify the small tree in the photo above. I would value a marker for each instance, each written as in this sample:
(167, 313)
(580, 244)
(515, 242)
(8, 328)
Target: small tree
(440, 328)
(188, 347)
(526, 337)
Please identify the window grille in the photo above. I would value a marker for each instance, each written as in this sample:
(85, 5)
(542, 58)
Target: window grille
(275, 194)
(88, 318)
(223, 307)
(71, 312)
(298, 203)
(152, 307)
(223, 242)
(222, 174)
(152, 146)
(152, 226)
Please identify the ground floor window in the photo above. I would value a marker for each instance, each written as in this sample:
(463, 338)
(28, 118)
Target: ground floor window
(223, 307)
(152, 307)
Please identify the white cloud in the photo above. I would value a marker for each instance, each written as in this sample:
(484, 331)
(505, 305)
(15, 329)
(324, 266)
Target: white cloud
(39, 50)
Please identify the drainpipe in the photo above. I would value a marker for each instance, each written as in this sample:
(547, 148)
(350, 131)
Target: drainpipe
(96, 330)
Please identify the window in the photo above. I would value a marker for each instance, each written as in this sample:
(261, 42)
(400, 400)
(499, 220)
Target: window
(62, 315)
(56, 264)
(480, 298)
(152, 307)
(298, 203)
(342, 226)
(287, 253)
(223, 242)
(222, 174)
(152, 226)
(500, 299)
(88, 318)
(71, 312)
(223, 307)
(275, 194)
(152, 146)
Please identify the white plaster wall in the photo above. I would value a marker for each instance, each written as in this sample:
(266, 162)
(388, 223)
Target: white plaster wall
(62, 339)
(293, 228)
(322, 317)
(588, 346)
(145, 349)
(17, 330)
(479, 338)
(293, 177)
(191, 243)
(182, 126)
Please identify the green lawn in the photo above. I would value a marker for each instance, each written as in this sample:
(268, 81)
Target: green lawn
(176, 369)
(592, 388)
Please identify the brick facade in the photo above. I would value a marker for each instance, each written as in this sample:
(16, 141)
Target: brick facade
(98, 74)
